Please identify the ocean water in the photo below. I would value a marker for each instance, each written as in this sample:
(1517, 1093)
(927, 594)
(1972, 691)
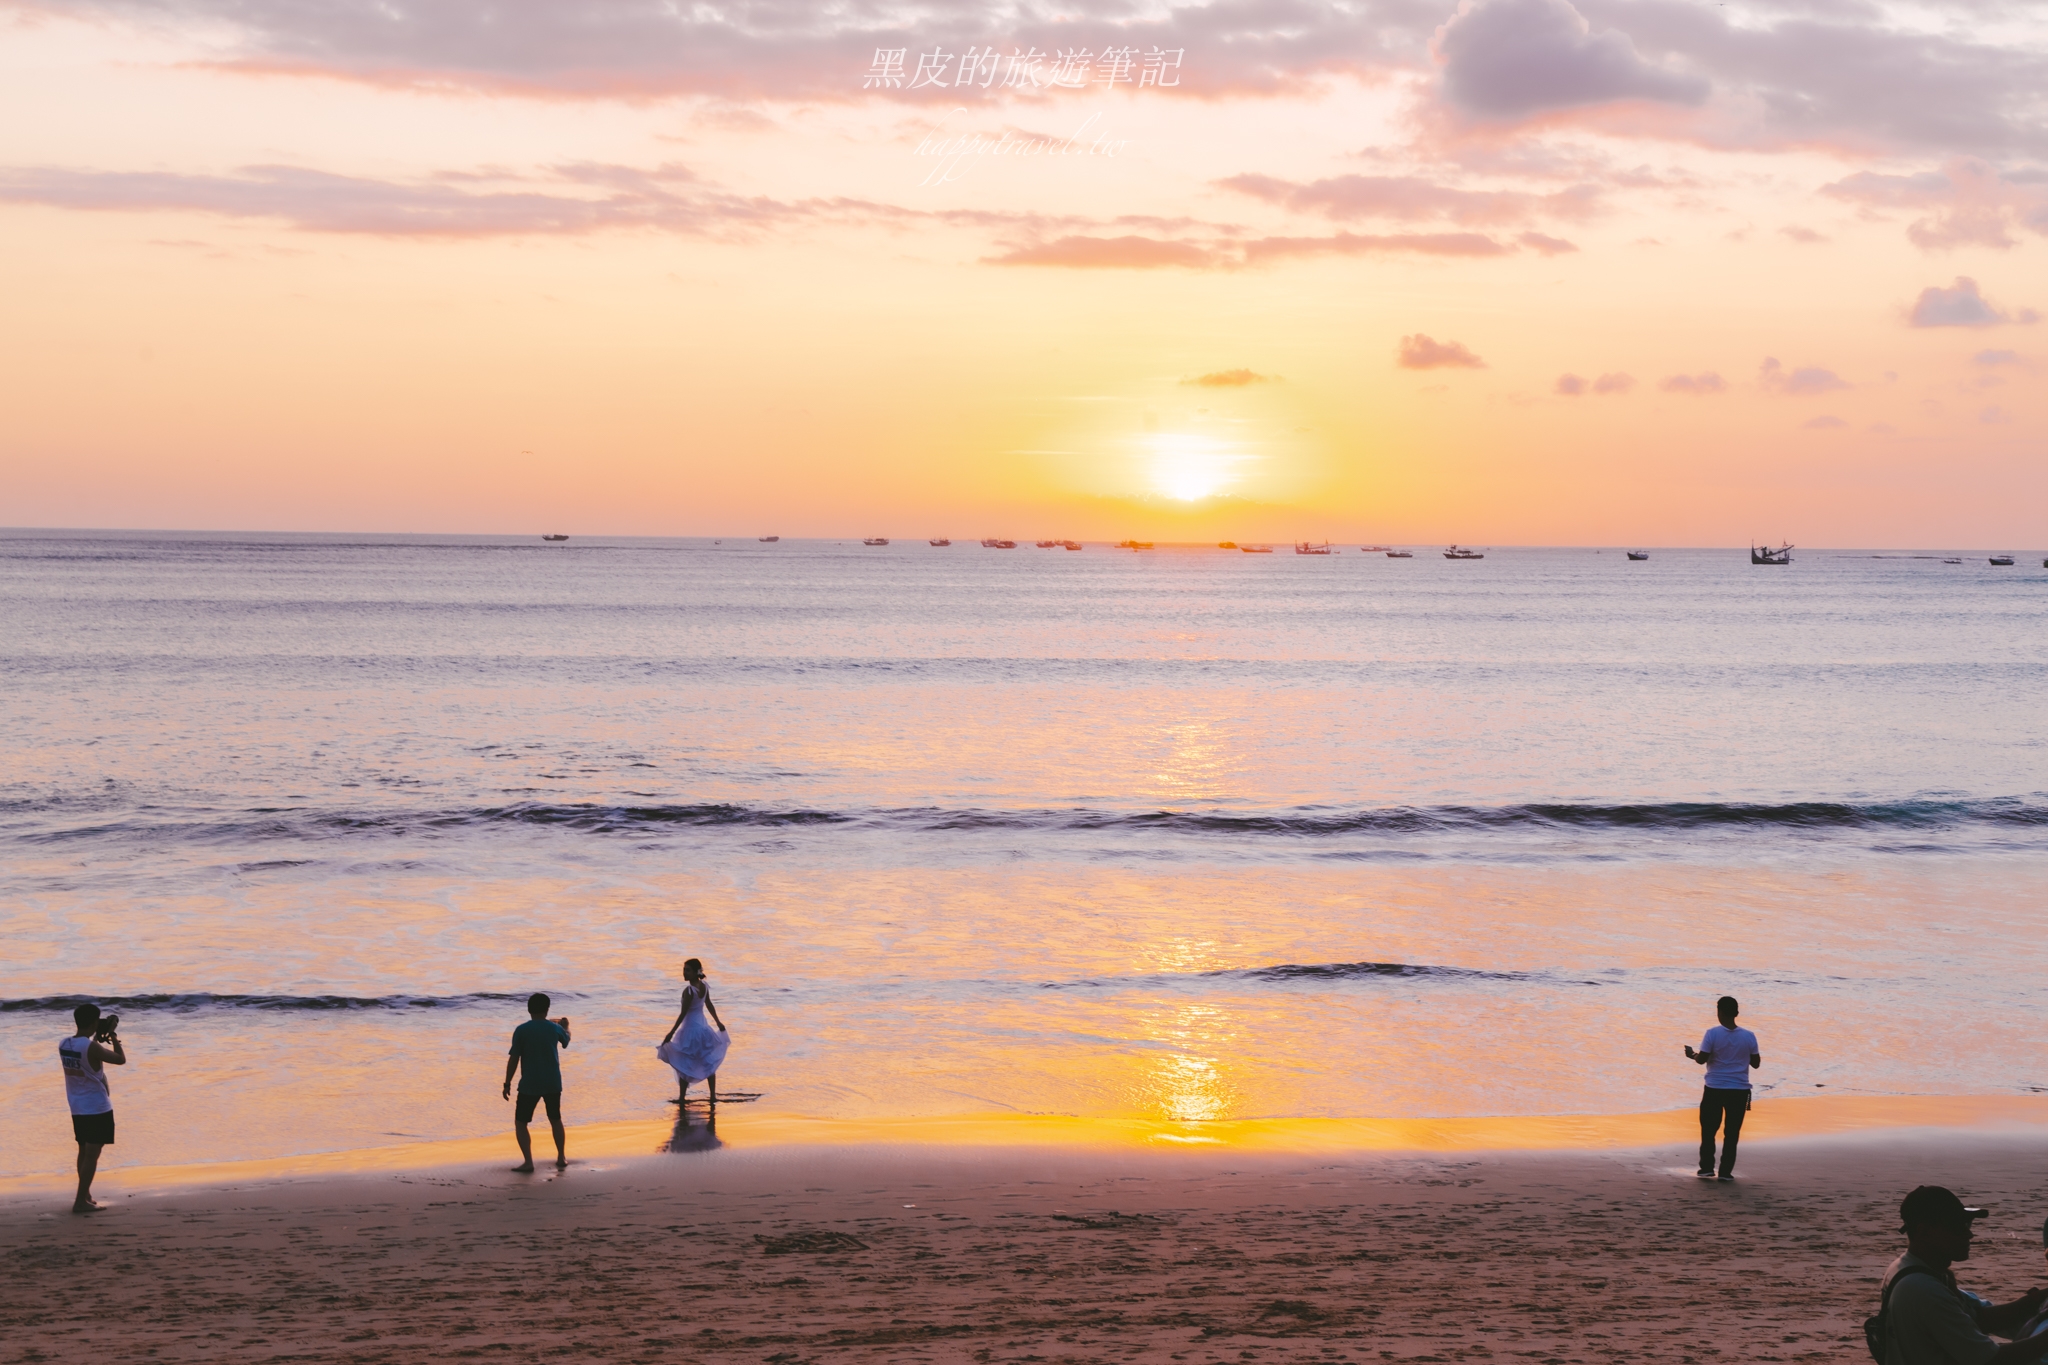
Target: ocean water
(1185, 834)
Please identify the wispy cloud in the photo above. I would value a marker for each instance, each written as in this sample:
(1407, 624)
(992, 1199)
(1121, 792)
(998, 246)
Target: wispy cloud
(1705, 382)
(1229, 379)
(1411, 198)
(1799, 383)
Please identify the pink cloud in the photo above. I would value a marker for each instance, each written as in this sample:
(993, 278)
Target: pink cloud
(1422, 352)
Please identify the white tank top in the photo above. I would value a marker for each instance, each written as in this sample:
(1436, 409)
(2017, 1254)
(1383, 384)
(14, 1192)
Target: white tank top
(84, 1086)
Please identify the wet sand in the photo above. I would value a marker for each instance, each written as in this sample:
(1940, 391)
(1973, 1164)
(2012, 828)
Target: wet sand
(788, 1253)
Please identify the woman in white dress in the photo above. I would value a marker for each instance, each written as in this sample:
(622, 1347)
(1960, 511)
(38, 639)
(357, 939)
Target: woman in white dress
(690, 1045)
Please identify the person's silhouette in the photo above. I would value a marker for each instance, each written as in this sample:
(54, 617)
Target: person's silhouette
(1728, 1053)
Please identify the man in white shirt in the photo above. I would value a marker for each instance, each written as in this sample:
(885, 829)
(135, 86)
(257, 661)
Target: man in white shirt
(1728, 1053)
(1926, 1319)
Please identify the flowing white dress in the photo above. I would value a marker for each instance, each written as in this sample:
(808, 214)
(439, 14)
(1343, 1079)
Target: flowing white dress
(697, 1047)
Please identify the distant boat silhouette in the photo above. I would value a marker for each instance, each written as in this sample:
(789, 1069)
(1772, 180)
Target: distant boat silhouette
(1375, 549)
(1070, 544)
(2001, 559)
(1256, 549)
(1048, 545)
(876, 540)
(767, 540)
(1226, 545)
(942, 541)
(1455, 553)
(1302, 547)
(1759, 554)
(1400, 554)
(1134, 545)
(554, 537)
(1638, 554)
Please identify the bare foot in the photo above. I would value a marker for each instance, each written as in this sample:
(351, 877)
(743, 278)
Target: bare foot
(527, 1169)
(87, 1206)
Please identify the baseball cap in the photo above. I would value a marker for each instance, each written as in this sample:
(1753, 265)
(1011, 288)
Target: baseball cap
(1934, 1204)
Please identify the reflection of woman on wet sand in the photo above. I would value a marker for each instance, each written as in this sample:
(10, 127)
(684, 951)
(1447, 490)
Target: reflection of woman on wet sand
(690, 1045)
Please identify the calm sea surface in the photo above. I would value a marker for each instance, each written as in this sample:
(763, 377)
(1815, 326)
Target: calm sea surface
(1186, 834)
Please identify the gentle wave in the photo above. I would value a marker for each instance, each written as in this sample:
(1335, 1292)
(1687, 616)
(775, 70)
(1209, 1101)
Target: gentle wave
(201, 1000)
(2008, 815)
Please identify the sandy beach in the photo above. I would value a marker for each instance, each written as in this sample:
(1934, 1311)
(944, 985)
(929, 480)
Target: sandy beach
(786, 1252)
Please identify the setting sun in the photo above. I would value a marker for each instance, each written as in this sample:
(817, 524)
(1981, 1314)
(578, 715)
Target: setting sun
(1190, 468)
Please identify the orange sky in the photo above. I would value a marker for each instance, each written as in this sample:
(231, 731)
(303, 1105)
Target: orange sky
(1501, 272)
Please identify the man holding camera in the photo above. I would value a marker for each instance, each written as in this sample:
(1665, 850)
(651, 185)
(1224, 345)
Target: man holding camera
(86, 1055)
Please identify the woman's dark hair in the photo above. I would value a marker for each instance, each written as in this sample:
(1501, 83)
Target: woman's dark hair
(693, 968)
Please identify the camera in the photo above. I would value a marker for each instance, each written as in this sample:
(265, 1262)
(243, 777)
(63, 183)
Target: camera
(105, 1032)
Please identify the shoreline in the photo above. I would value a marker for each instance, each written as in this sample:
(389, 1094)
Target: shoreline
(741, 1135)
(954, 1253)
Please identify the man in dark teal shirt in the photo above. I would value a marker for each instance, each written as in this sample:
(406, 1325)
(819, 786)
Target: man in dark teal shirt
(539, 1070)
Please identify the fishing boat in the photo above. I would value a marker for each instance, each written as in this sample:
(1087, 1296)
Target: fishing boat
(1638, 554)
(1303, 547)
(1070, 544)
(1456, 553)
(2002, 560)
(1958, 561)
(1759, 554)
(1048, 545)
(1400, 554)
(1226, 545)
(1256, 549)
(554, 537)
(941, 541)
(1375, 549)
(1005, 545)
(1134, 545)
(876, 540)
(767, 540)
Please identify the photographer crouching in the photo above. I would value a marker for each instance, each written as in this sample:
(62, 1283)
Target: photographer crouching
(86, 1055)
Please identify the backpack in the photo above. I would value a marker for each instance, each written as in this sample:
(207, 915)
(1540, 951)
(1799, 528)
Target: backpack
(1874, 1325)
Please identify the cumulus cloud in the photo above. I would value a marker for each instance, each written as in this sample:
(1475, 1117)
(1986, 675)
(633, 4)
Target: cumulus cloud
(1508, 59)
(1965, 203)
(1846, 75)
(1834, 72)
(1959, 305)
(1572, 385)
(1802, 382)
(1409, 198)
(1704, 382)
(1421, 352)
(1229, 379)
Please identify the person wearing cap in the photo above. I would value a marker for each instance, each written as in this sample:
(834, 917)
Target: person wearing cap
(1927, 1319)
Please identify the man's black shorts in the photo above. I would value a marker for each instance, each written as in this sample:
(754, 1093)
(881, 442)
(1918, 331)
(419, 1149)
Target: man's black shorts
(554, 1102)
(94, 1128)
